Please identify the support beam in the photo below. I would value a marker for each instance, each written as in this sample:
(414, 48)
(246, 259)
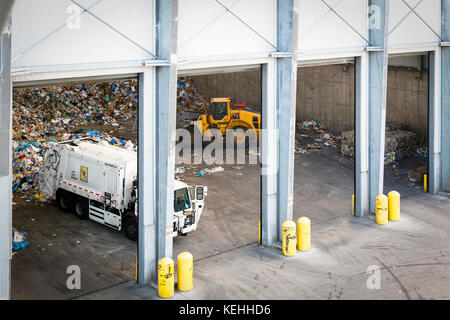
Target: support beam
(378, 64)
(361, 137)
(146, 171)
(286, 67)
(158, 149)
(5, 159)
(445, 97)
(434, 118)
(269, 147)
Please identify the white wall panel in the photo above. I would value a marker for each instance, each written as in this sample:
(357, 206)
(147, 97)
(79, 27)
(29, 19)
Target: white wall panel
(321, 28)
(207, 29)
(412, 30)
(92, 42)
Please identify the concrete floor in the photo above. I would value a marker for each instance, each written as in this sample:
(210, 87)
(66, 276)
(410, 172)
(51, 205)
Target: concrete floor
(413, 254)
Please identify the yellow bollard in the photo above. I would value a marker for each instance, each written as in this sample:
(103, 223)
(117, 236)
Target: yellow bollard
(381, 214)
(185, 271)
(425, 183)
(166, 280)
(136, 273)
(289, 238)
(353, 204)
(259, 232)
(303, 234)
(394, 206)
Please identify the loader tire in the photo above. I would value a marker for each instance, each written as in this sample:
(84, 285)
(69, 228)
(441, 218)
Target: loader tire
(64, 200)
(81, 208)
(130, 227)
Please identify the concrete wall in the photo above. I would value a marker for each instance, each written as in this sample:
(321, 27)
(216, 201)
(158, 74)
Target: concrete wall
(242, 87)
(326, 94)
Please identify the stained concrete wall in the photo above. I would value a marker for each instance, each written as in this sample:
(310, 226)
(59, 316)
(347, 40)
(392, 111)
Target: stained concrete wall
(326, 94)
(242, 87)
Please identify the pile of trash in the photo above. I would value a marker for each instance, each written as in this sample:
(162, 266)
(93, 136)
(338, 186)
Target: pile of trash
(399, 144)
(313, 137)
(188, 98)
(45, 115)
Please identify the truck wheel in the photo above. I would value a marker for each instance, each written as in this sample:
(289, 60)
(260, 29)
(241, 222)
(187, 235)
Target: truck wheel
(64, 200)
(81, 208)
(130, 227)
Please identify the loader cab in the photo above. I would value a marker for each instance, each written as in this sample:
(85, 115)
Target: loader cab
(219, 109)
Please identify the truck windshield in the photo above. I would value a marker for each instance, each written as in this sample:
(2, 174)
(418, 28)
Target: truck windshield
(181, 200)
(218, 110)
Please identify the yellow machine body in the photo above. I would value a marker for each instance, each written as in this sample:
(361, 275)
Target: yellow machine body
(223, 116)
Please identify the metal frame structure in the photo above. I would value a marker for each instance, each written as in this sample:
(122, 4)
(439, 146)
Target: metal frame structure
(157, 101)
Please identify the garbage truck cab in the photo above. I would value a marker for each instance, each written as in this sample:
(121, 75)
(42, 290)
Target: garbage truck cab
(99, 181)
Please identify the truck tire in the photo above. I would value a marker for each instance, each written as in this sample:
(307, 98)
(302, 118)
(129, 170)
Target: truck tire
(81, 208)
(130, 227)
(64, 200)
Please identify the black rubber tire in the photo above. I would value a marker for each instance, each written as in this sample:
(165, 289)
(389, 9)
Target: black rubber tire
(64, 200)
(130, 228)
(81, 208)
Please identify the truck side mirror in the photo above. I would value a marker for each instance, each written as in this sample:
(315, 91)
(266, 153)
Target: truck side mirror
(199, 191)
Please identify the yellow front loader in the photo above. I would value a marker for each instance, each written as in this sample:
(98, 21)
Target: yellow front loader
(223, 115)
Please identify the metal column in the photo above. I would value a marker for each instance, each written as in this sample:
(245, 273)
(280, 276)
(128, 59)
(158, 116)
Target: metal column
(361, 137)
(146, 188)
(157, 131)
(434, 127)
(287, 38)
(269, 152)
(5, 156)
(445, 97)
(378, 64)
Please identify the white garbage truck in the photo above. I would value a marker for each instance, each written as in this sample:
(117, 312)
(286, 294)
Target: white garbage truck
(99, 181)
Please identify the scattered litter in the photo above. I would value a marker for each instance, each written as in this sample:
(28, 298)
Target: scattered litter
(214, 170)
(179, 170)
(19, 240)
(314, 137)
(201, 174)
(416, 175)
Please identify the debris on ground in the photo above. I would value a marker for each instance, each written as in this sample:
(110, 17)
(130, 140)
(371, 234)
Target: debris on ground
(416, 175)
(60, 113)
(214, 170)
(312, 137)
(179, 170)
(399, 144)
(19, 240)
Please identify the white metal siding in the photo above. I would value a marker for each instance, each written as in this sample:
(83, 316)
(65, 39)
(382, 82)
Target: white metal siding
(206, 29)
(93, 42)
(320, 28)
(412, 30)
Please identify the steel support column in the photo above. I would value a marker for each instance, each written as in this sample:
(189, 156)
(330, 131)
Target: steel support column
(361, 137)
(146, 171)
(378, 64)
(445, 97)
(287, 38)
(155, 239)
(269, 152)
(434, 126)
(5, 157)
